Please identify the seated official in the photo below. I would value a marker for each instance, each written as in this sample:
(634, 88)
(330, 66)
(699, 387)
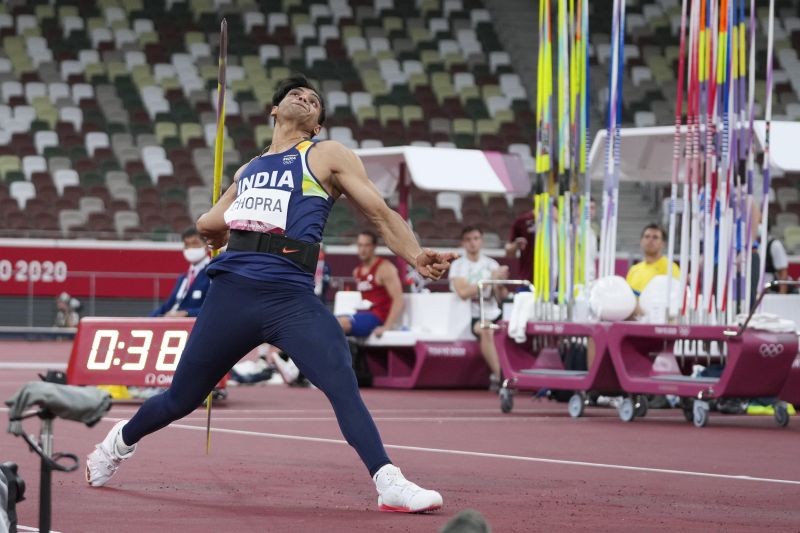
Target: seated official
(655, 262)
(191, 287)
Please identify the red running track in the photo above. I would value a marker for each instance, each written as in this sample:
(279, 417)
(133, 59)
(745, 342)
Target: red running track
(278, 463)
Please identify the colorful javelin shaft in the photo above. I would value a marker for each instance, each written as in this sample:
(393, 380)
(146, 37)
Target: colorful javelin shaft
(748, 207)
(676, 158)
(762, 248)
(607, 249)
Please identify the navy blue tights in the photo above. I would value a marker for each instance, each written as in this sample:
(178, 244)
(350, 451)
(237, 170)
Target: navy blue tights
(239, 314)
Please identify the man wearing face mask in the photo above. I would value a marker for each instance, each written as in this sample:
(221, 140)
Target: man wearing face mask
(190, 290)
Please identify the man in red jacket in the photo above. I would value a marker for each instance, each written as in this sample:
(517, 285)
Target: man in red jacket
(379, 283)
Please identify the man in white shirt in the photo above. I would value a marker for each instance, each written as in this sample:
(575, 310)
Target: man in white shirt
(465, 273)
(777, 267)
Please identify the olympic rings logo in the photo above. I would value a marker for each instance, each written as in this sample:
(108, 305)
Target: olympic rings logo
(770, 349)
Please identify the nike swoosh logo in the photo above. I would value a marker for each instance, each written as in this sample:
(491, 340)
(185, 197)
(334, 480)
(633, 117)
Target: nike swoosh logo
(288, 250)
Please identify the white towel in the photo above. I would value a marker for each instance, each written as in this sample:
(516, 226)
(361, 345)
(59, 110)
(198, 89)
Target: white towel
(768, 322)
(521, 312)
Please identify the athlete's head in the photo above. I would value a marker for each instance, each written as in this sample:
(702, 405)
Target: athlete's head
(472, 239)
(653, 239)
(366, 242)
(296, 100)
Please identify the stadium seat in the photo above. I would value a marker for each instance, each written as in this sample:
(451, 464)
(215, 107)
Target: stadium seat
(63, 178)
(21, 191)
(33, 163)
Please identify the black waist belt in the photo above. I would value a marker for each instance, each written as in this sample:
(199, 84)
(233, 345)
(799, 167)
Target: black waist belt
(302, 253)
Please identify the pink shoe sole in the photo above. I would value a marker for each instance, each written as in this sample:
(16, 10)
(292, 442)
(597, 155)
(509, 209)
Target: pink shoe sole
(389, 509)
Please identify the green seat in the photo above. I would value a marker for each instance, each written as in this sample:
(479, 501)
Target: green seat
(170, 143)
(388, 112)
(412, 112)
(14, 175)
(487, 126)
(90, 179)
(468, 93)
(54, 151)
(166, 129)
(463, 126)
(190, 130)
(141, 179)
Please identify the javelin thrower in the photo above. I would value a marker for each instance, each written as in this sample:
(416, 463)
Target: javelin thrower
(272, 219)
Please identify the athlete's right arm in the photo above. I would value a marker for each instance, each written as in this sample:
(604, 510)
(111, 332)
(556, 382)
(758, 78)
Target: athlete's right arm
(212, 225)
(347, 174)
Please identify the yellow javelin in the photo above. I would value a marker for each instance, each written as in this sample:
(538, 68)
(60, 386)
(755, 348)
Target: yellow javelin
(219, 147)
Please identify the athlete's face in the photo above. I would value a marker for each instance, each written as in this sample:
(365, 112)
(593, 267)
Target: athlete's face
(652, 242)
(472, 242)
(300, 105)
(365, 248)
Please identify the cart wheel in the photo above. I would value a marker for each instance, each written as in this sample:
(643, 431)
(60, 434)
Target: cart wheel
(640, 407)
(506, 400)
(700, 413)
(781, 414)
(626, 410)
(576, 403)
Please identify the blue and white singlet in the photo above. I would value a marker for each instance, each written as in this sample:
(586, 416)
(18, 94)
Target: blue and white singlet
(277, 193)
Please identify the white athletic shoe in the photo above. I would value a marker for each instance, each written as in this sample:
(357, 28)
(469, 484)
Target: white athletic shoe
(399, 495)
(103, 462)
(287, 369)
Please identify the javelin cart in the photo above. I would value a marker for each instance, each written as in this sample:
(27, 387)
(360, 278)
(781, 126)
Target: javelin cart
(754, 363)
(538, 363)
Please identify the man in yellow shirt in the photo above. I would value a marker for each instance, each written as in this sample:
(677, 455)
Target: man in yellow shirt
(655, 262)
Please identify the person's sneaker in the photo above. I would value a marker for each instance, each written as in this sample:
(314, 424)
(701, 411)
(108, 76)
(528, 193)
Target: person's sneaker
(399, 495)
(760, 410)
(287, 369)
(103, 462)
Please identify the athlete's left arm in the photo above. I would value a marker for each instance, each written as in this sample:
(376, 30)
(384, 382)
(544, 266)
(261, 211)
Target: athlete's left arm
(348, 175)
(390, 279)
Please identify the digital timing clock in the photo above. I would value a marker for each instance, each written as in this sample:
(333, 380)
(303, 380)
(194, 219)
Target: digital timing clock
(141, 352)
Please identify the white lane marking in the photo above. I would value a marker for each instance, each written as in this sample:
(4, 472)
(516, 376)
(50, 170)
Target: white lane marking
(380, 419)
(31, 529)
(223, 410)
(50, 365)
(496, 455)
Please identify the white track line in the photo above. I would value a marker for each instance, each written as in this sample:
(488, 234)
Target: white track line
(327, 410)
(377, 418)
(45, 365)
(497, 456)
(31, 529)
